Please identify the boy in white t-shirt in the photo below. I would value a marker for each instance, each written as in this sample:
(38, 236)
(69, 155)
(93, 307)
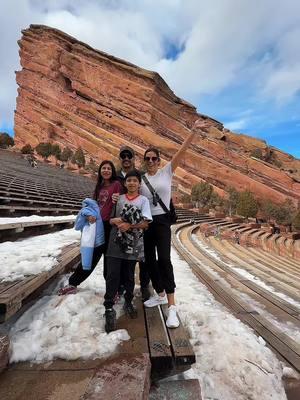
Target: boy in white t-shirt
(125, 246)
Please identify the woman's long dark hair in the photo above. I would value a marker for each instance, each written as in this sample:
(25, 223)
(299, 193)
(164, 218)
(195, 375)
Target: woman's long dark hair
(100, 179)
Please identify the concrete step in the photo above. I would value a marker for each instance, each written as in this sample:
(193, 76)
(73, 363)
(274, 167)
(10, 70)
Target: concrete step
(126, 377)
(176, 390)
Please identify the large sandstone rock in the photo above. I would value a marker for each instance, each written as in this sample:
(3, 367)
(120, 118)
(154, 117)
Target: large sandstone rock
(74, 95)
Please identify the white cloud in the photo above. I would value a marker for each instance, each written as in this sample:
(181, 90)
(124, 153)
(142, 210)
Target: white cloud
(236, 125)
(224, 43)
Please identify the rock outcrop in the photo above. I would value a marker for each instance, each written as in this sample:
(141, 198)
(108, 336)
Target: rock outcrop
(74, 95)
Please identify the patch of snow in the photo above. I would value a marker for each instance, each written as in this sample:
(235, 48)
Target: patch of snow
(269, 288)
(232, 362)
(245, 274)
(36, 218)
(67, 327)
(33, 255)
(208, 249)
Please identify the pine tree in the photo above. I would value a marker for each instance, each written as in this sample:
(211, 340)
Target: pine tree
(79, 157)
(247, 205)
(56, 151)
(201, 193)
(66, 154)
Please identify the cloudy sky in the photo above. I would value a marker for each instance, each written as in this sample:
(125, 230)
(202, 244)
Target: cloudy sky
(236, 60)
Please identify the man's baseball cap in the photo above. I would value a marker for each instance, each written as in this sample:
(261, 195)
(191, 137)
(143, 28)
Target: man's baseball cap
(126, 149)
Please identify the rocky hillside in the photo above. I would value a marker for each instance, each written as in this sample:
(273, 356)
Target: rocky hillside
(74, 95)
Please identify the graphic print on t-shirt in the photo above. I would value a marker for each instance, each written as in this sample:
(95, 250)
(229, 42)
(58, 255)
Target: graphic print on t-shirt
(103, 197)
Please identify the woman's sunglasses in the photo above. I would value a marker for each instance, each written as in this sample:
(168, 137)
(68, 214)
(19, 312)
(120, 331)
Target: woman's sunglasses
(151, 158)
(126, 155)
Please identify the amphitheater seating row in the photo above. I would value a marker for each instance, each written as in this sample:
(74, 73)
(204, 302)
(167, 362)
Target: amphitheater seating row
(43, 190)
(253, 235)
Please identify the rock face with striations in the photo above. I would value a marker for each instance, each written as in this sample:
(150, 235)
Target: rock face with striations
(74, 95)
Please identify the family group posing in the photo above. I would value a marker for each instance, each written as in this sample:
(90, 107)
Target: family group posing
(131, 216)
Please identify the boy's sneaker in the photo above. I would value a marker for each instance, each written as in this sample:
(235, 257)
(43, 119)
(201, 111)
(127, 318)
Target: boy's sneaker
(130, 310)
(110, 320)
(156, 300)
(172, 321)
(67, 290)
(145, 292)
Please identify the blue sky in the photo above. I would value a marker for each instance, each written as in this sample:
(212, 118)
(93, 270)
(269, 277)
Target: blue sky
(235, 60)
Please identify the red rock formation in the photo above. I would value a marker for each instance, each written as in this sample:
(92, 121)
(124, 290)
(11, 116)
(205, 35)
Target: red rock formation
(74, 95)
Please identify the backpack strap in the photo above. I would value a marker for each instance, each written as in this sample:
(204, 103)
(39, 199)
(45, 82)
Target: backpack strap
(156, 197)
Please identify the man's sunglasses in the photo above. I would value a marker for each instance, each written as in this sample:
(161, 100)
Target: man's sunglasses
(151, 158)
(123, 156)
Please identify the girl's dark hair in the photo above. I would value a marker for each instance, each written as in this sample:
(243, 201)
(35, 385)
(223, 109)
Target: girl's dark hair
(154, 149)
(134, 172)
(100, 179)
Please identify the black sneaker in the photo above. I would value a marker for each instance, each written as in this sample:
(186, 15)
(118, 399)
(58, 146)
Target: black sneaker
(110, 320)
(130, 310)
(145, 293)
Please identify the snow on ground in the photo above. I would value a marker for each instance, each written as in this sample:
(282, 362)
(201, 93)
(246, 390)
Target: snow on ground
(232, 362)
(33, 255)
(208, 249)
(245, 274)
(262, 284)
(67, 327)
(288, 327)
(35, 218)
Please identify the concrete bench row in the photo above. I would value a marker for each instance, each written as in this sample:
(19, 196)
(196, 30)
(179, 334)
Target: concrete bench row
(253, 234)
(17, 230)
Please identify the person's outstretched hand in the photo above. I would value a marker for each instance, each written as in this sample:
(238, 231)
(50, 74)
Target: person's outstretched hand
(202, 125)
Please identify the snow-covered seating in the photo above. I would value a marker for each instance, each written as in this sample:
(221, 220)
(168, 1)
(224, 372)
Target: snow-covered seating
(14, 294)
(15, 230)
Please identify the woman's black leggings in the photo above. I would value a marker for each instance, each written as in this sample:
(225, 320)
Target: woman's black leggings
(157, 238)
(81, 274)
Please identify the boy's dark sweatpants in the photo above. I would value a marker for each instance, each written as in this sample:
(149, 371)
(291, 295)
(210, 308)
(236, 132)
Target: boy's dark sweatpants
(114, 268)
(107, 229)
(80, 274)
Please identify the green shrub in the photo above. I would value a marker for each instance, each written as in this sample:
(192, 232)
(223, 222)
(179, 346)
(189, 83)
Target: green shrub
(27, 149)
(44, 149)
(6, 140)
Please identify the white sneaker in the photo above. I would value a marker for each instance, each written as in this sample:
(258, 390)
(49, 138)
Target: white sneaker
(172, 321)
(156, 300)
